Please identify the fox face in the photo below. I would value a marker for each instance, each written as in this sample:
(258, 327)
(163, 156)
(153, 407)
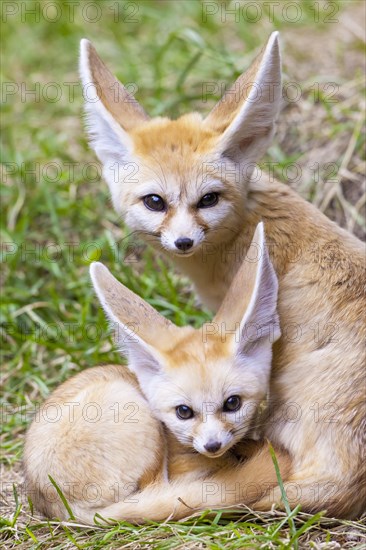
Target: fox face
(182, 184)
(180, 198)
(174, 191)
(209, 413)
(204, 385)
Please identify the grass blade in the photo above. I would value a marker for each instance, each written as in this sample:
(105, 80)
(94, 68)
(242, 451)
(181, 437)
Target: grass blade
(284, 496)
(62, 497)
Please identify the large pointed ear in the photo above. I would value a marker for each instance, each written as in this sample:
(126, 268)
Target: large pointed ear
(246, 114)
(111, 112)
(249, 309)
(143, 334)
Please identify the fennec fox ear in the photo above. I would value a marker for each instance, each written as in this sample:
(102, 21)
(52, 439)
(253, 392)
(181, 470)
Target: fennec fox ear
(249, 309)
(246, 114)
(111, 112)
(143, 333)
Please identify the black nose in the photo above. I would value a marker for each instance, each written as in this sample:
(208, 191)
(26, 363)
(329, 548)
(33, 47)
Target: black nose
(184, 243)
(212, 446)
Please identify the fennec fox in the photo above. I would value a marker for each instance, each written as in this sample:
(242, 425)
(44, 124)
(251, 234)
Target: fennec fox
(191, 187)
(100, 435)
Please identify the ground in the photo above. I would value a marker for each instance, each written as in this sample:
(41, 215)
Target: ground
(57, 215)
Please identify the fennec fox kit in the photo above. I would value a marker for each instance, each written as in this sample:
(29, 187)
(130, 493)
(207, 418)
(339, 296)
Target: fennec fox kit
(192, 189)
(100, 435)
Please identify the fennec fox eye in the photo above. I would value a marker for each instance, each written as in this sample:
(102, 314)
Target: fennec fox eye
(208, 200)
(184, 412)
(154, 202)
(232, 404)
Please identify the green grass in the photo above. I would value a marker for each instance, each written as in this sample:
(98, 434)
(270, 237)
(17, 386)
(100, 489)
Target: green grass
(57, 217)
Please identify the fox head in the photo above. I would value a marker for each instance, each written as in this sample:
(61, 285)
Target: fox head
(184, 182)
(206, 384)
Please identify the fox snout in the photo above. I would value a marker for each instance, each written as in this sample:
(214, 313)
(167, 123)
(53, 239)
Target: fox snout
(181, 245)
(213, 446)
(212, 438)
(184, 243)
(181, 231)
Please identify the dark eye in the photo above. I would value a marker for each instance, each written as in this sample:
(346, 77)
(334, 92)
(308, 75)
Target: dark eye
(154, 202)
(183, 412)
(232, 404)
(208, 200)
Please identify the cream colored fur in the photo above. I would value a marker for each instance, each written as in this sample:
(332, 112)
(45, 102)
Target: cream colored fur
(318, 382)
(100, 435)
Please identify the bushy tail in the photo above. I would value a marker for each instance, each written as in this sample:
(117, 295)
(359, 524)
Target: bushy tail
(339, 497)
(244, 484)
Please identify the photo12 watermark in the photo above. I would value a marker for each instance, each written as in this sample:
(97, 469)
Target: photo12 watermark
(70, 11)
(270, 11)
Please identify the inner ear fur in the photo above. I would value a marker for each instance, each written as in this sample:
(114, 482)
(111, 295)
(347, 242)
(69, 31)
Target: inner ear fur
(246, 113)
(131, 312)
(122, 106)
(252, 296)
(239, 295)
